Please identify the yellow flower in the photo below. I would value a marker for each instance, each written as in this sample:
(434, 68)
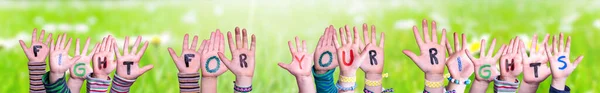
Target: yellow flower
(384, 75)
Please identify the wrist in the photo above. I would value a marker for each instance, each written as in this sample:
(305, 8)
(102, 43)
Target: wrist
(55, 76)
(559, 83)
(348, 73)
(100, 76)
(243, 81)
(434, 77)
(508, 78)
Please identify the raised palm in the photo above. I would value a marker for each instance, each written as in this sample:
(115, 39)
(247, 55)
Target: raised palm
(38, 51)
(189, 61)
(459, 66)
(432, 58)
(485, 66)
(60, 60)
(212, 66)
(326, 51)
(300, 65)
(127, 64)
(536, 64)
(511, 60)
(103, 60)
(560, 64)
(348, 52)
(373, 63)
(82, 66)
(242, 62)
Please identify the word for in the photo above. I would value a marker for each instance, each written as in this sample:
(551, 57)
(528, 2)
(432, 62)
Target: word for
(535, 68)
(80, 67)
(372, 54)
(187, 58)
(299, 60)
(483, 74)
(351, 58)
(36, 49)
(102, 64)
(128, 63)
(560, 59)
(459, 64)
(328, 62)
(216, 68)
(432, 53)
(243, 62)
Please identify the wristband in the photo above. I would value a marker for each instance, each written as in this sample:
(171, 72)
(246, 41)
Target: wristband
(36, 72)
(347, 79)
(188, 82)
(383, 90)
(372, 83)
(351, 88)
(241, 89)
(456, 81)
(434, 84)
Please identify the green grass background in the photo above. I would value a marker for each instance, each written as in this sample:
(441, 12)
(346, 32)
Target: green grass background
(274, 22)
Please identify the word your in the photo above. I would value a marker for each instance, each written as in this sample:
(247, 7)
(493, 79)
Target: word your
(560, 59)
(187, 58)
(36, 49)
(216, 68)
(128, 63)
(481, 73)
(372, 54)
(351, 58)
(80, 67)
(432, 53)
(243, 62)
(535, 68)
(299, 60)
(328, 62)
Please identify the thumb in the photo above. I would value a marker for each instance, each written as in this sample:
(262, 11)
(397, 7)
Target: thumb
(146, 68)
(410, 54)
(224, 58)
(577, 61)
(284, 65)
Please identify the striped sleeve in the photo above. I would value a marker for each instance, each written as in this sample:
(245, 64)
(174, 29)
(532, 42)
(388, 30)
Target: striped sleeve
(505, 86)
(36, 72)
(97, 85)
(121, 85)
(188, 82)
(324, 82)
(60, 86)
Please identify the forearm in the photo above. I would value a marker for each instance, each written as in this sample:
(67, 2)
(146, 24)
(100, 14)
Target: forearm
(305, 84)
(435, 78)
(209, 85)
(36, 72)
(121, 85)
(75, 84)
(59, 86)
(324, 81)
(479, 86)
(188, 82)
(243, 84)
(97, 85)
(373, 82)
(529, 87)
(559, 83)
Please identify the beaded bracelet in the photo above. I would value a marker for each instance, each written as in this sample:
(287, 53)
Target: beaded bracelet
(347, 79)
(456, 81)
(241, 89)
(339, 87)
(372, 83)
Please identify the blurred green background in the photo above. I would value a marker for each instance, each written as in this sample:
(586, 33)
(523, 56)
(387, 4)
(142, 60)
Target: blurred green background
(276, 21)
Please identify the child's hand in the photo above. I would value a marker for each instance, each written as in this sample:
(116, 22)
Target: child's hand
(300, 65)
(348, 51)
(485, 66)
(211, 65)
(325, 51)
(459, 66)
(535, 66)
(127, 65)
(560, 64)
(511, 61)
(103, 60)
(433, 57)
(372, 62)
(189, 61)
(59, 58)
(39, 49)
(82, 66)
(242, 62)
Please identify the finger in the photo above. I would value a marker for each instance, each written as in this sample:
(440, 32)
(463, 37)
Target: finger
(230, 42)
(253, 44)
(245, 39)
(110, 43)
(73, 60)
(77, 47)
(543, 42)
(52, 46)
(568, 46)
(173, 56)
(284, 65)
(205, 47)
(342, 36)
(464, 41)
(225, 60)
(320, 43)
(561, 43)
(146, 68)
(456, 48)
(482, 48)
(41, 36)
(24, 46)
(143, 50)
(222, 42)
(547, 50)
(348, 35)
(238, 38)
(381, 40)
(68, 46)
(356, 37)
(135, 45)
(194, 42)
(94, 50)
(292, 50)
(118, 52)
(49, 38)
(502, 48)
(522, 49)
(471, 56)
(298, 44)
(434, 32)
(492, 47)
(62, 43)
(366, 34)
(334, 37)
(326, 36)
(554, 45)
(34, 35)
(103, 44)
(417, 36)
(448, 47)
(426, 31)
(85, 48)
(533, 47)
(304, 46)
(185, 42)
(411, 55)
(57, 44)
(577, 61)
(373, 35)
(201, 46)
(510, 46)
(443, 37)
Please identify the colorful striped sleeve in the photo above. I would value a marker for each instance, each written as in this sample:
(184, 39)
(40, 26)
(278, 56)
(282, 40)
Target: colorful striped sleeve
(36, 72)
(324, 82)
(188, 82)
(121, 85)
(60, 86)
(97, 85)
(505, 86)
